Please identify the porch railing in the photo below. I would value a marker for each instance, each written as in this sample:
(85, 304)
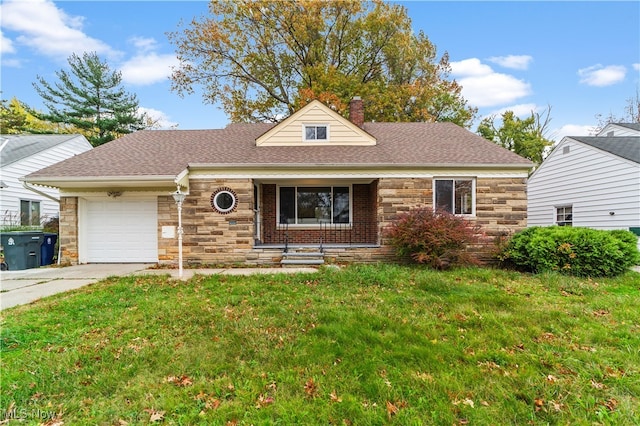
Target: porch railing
(322, 234)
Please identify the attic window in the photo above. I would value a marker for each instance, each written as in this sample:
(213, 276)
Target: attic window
(316, 132)
(566, 149)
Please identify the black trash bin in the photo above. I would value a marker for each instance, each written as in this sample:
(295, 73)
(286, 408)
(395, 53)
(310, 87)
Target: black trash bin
(48, 249)
(22, 249)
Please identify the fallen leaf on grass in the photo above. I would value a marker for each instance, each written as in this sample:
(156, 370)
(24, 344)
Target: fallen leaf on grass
(155, 415)
(263, 401)
(310, 388)
(392, 410)
(596, 385)
(611, 404)
(539, 404)
(181, 381)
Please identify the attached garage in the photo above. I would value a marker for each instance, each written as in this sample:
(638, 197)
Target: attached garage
(120, 229)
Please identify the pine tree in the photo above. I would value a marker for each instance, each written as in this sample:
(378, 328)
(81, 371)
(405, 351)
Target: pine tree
(90, 97)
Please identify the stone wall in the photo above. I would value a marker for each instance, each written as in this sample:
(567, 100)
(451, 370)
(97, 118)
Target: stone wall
(501, 205)
(68, 238)
(209, 237)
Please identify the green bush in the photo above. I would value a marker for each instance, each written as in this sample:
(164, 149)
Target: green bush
(582, 252)
(435, 238)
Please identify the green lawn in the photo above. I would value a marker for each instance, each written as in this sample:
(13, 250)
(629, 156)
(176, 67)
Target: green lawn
(368, 345)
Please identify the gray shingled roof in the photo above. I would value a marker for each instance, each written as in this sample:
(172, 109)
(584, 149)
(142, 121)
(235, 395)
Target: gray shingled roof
(627, 147)
(19, 147)
(169, 152)
(633, 126)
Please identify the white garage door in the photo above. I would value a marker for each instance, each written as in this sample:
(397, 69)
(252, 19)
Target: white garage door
(119, 230)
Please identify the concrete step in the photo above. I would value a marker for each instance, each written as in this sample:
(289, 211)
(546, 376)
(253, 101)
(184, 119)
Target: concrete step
(298, 262)
(303, 254)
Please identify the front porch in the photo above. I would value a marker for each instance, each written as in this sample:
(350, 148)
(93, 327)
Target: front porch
(291, 215)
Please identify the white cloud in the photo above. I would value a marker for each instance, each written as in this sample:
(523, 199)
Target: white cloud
(160, 119)
(12, 63)
(636, 67)
(144, 44)
(49, 30)
(483, 87)
(6, 45)
(148, 68)
(600, 76)
(517, 62)
(520, 110)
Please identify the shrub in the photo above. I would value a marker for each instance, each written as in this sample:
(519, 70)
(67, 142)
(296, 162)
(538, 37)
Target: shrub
(581, 252)
(435, 238)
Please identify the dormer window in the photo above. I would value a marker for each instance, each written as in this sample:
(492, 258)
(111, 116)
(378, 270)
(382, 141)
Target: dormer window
(316, 132)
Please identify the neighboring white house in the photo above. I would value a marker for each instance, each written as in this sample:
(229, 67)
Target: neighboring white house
(21, 155)
(589, 181)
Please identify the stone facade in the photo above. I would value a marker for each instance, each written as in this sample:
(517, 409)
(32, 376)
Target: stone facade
(68, 240)
(213, 238)
(210, 237)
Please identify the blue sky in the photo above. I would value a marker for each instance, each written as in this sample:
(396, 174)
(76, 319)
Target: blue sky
(580, 58)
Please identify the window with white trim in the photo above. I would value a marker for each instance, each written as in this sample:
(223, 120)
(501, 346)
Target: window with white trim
(454, 195)
(29, 213)
(564, 216)
(312, 205)
(316, 132)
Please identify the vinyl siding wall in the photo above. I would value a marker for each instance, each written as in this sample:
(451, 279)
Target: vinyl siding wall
(595, 183)
(10, 197)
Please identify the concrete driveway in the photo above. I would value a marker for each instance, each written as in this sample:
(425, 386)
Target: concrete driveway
(21, 287)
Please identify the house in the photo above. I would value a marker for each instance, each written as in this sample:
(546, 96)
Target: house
(254, 190)
(590, 181)
(20, 155)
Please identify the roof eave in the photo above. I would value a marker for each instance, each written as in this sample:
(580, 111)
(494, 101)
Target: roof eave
(102, 182)
(288, 166)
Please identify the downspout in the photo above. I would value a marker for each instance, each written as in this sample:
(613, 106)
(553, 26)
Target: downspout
(30, 188)
(52, 198)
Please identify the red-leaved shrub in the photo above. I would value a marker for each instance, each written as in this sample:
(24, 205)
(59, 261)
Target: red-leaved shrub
(435, 238)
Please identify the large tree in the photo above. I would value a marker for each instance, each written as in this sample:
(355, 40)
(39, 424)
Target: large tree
(262, 60)
(16, 117)
(526, 137)
(90, 97)
(631, 114)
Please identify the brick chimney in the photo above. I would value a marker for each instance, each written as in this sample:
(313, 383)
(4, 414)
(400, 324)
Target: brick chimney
(356, 111)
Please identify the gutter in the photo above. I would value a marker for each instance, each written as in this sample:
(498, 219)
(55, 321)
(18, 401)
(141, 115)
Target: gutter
(200, 166)
(57, 200)
(30, 188)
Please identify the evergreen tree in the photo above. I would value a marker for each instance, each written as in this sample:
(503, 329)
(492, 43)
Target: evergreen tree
(90, 97)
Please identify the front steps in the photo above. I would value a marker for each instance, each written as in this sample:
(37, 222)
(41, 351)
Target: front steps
(295, 257)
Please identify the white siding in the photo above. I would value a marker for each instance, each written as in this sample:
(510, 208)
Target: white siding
(10, 174)
(615, 130)
(595, 183)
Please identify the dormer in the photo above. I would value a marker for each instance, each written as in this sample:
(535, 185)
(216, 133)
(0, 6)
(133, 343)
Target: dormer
(316, 124)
